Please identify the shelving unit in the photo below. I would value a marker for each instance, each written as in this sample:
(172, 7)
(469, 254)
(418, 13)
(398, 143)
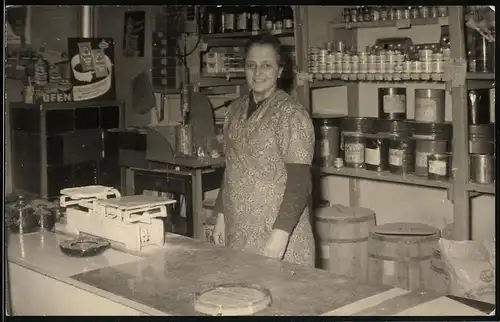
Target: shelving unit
(460, 189)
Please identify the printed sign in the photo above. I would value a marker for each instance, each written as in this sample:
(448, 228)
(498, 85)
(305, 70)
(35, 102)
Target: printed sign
(92, 68)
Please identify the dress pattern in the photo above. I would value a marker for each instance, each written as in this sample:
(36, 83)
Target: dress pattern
(257, 149)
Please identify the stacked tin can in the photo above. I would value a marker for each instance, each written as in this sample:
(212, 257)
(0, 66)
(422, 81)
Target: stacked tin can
(481, 137)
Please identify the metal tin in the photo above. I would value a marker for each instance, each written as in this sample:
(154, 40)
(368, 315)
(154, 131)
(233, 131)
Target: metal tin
(437, 66)
(416, 67)
(430, 105)
(481, 139)
(354, 150)
(401, 155)
(424, 148)
(478, 104)
(432, 131)
(392, 103)
(438, 166)
(358, 125)
(327, 132)
(376, 153)
(427, 66)
(372, 64)
(482, 168)
(393, 128)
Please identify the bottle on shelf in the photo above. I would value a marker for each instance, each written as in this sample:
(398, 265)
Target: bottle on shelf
(287, 17)
(242, 19)
(209, 20)
(255, 18)
(269, 22)
(229, 18)
(278, 19)
(220, 19)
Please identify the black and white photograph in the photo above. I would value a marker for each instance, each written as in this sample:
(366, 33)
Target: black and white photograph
(329, 161)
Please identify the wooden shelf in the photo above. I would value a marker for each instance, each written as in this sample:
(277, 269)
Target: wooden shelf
(401, 24)
(327, 83)
(385, 176)
(247, 34)
(481, 76)
(481, 188)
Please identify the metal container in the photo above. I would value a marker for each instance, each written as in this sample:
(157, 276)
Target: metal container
(376, 152)
(432, 131)
(327, 132)
(424, 148)
(482, 168)
(401, 155)
(481, 139)
(430, 105)
(358, 124)
(22, 219)
(354, 150)
(392, 103)
(478, 106)
(46, 218)
(438, 166)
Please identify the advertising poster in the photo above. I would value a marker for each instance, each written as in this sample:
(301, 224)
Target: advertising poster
(134, 34)
(92, 68)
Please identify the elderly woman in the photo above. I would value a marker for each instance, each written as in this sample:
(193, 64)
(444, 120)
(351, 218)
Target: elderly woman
(269, 144)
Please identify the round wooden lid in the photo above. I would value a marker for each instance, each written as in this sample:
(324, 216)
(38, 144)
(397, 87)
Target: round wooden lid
(339, 212)
(232, 300)
(405, 229)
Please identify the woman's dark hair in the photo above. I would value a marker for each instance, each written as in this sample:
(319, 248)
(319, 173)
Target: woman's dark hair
(266, 39)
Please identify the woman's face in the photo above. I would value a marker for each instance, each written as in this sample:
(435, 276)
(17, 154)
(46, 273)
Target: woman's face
(262, 68)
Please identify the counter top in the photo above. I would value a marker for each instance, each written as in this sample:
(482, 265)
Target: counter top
(164, 282)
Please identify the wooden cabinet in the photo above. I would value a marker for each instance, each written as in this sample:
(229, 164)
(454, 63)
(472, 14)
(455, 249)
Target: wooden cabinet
(60, 145)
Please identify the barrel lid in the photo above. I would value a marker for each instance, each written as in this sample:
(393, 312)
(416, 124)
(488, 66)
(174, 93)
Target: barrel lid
(405, 229)
(232, 299)
(340, 212)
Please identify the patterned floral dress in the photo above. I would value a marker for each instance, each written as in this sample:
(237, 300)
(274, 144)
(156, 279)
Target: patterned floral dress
(257, 149)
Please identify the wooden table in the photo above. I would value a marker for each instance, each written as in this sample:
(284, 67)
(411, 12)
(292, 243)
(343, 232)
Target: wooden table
(192, 178)
(163, 283)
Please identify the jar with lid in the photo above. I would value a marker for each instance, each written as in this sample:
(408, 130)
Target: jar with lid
(392, 13)
(375, 13)
(242, 18)
(433, 12)
(414, 12)
(424, 12)
(384, 13)
(360, 13)
(255, 18)
(229, 18)
(23, 219)
(366, 14)
(442, 11)
(269, 22)
(287, 17)
(354, 14)
(407, 13)
(346, 14)
(355, 64)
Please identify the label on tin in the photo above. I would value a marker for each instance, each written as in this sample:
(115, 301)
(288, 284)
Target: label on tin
(372, 156)
(437, 167)
(394, 104)
(323, 148)
(354, 153)
(421, 159)
(396, 157)
(425, 109)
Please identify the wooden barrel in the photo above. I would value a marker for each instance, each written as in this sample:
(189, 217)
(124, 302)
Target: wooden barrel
(343, 236)
(399, 255)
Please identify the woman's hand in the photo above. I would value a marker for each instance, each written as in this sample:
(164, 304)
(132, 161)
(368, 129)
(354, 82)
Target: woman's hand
(276, 244)
(219, 233)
